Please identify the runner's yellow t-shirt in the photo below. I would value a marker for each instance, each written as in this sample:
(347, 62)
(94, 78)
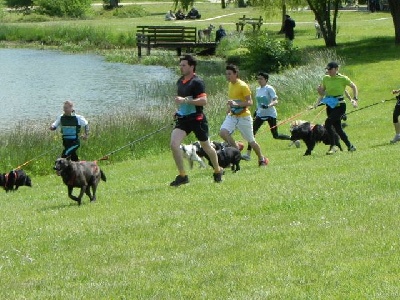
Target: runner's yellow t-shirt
(238, 91)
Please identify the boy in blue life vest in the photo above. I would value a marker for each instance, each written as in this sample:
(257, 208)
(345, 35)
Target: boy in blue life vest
(71, 125)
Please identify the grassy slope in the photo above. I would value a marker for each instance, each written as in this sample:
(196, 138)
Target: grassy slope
(304, 227)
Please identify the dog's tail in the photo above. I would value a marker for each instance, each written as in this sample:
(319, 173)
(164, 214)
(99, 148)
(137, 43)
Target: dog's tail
(103, 176)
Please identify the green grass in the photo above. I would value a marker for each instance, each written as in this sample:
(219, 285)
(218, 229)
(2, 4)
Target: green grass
(316, 227)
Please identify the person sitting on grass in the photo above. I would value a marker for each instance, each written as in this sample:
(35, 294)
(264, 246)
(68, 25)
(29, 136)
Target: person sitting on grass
(193, 14)
(180, 15)
(170, 16)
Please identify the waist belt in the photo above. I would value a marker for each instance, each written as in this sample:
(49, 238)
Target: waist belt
(340, 99)
(333, 101)
(195, 116)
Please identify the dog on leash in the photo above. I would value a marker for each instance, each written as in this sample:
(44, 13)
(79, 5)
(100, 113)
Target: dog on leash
(311, 135)
(227, 156)
(80, 174)
(14, 179)
(190, 153)
(205, 34)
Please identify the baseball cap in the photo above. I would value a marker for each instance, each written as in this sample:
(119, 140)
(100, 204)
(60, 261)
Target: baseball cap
(332, 65)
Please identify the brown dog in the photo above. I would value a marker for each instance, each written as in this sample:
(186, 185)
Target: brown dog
(80, 174)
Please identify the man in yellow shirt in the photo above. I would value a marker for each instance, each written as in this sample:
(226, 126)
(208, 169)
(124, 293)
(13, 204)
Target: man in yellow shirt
(238, 113)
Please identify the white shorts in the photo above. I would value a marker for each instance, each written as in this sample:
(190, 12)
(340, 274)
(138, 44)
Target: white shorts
(244, 124)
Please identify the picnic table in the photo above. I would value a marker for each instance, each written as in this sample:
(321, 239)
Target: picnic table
(254, 22)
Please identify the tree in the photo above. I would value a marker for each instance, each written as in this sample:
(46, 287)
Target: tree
(395, 11)
(18, 3)
(272, 6)
(184, 4)
(326, 19)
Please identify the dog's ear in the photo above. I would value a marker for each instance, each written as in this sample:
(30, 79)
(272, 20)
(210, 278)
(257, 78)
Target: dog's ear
(28, 181)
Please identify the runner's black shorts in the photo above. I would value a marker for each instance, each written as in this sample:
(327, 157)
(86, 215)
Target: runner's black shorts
(196, 123)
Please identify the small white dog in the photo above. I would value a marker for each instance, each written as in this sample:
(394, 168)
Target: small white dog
(189, 152)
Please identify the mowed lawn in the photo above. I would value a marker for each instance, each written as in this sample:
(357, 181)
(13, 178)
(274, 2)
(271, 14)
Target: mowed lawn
(315, 227)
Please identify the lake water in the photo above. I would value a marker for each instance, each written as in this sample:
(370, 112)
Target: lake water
(35, 83)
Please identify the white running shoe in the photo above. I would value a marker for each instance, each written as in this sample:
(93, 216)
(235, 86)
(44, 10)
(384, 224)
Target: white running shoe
(332, 150)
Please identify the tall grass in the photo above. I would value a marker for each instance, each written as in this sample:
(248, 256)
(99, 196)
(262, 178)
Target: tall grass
(82, 37)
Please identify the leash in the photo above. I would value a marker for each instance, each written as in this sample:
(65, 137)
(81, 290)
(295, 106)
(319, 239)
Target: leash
(29, 161)
(373, 104)
(289, 119)
(105, 157)
(321, 110)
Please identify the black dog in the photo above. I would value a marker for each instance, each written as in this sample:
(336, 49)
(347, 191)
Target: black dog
(80, 174)
(14, 179)
(312, 134)
(227, 156)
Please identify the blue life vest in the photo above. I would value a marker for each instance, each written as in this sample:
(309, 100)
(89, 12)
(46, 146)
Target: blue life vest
(70, 127)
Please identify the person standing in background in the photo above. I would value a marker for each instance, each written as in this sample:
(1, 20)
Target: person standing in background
(289, 26)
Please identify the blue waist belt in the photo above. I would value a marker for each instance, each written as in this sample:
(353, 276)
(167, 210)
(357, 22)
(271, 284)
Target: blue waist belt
(332, 101)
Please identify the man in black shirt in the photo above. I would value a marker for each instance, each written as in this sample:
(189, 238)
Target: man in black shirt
(190, 118)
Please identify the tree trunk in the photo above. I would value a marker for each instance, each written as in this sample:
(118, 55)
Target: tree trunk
(223, 4)
(322, 10)
(283, 17)
(395, 11)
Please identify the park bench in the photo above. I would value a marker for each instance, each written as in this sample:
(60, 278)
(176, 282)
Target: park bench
(172, 37)
(254, 22)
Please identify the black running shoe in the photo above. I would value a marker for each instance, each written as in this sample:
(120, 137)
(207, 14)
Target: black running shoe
(180, 180)
(218, 176)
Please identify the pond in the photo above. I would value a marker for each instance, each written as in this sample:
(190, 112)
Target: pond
(35, 83)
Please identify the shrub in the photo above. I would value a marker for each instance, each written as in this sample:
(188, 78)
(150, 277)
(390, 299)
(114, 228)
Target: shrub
(64, 8)
(229, 43)
(130, 11)
(272, 54)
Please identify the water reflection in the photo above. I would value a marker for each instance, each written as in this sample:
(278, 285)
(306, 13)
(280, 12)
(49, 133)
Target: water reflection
(35, 83)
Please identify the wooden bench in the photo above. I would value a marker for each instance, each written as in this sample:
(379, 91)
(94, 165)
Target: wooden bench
(173, 37)
(254, 22)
